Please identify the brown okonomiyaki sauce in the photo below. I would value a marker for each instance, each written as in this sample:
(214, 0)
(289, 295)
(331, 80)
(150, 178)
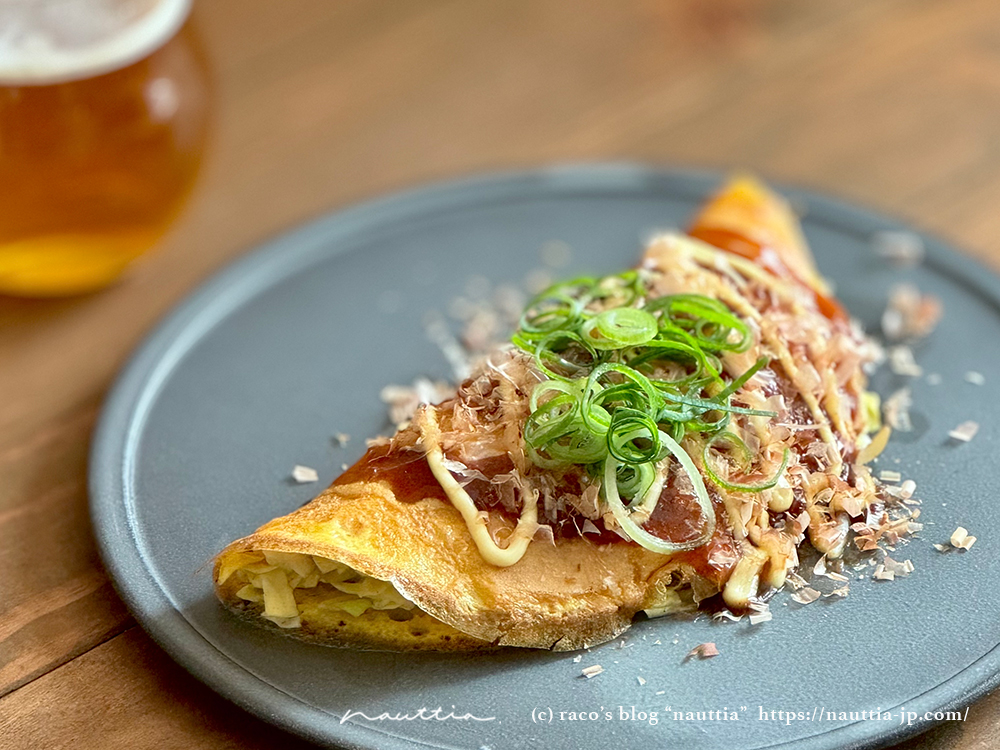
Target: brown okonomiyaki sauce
(406, 472)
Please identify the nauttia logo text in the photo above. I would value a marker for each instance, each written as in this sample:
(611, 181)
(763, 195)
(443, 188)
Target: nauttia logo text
(420, 714)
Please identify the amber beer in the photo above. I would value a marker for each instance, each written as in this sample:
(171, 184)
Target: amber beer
(102, 122)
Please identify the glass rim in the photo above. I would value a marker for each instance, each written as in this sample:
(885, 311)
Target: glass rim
(30, 62)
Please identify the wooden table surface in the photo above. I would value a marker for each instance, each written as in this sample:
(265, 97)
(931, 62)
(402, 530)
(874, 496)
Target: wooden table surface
(891, 103)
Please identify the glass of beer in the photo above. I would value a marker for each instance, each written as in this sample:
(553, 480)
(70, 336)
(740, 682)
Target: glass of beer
(103, 118)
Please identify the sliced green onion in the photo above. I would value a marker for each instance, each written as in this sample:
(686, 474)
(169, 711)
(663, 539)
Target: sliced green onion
(635, 480)
(551, 420)
(619, 328)
(709, 427)
(559, 386)
(627, 427)
(742, 379)
(636, 390)
(628, 286)
(547, 353)
(695, 313)
(717, 404)
(638, 534)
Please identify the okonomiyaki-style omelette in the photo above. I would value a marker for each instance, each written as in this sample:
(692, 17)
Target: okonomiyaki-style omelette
(655, 440)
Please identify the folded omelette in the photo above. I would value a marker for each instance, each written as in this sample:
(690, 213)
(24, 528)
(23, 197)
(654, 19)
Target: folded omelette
(656, 440)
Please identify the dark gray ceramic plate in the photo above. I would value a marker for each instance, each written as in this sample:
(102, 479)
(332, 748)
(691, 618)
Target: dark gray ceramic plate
(256, 371)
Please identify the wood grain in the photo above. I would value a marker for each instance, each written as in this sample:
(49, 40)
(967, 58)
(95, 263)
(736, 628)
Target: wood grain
(891, 103)
(56, 601)
(93, 702)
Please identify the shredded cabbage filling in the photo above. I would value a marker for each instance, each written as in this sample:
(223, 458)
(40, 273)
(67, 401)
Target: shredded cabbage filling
(271, 579)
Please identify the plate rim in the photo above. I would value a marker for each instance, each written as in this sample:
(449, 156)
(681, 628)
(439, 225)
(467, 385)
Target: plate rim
(286, 253)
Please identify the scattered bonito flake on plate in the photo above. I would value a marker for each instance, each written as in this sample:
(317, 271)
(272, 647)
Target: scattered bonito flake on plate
(703, 651)
(578, 658)
(795, 580)
(903, 491)
(910, 314)
(887, 475)
(806, 595)
(964, 432)
(841, 592)
(976, 378)
(725, 614)
(897, 567)
(593, 671)
(881, 574)
(896, 410)
(341, 439)
(899, 247)
(901, 362)
(304, 475)
(758, 617)
(641, 680)
(960, 539)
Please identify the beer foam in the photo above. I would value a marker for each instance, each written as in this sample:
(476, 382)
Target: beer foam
(54, 41)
